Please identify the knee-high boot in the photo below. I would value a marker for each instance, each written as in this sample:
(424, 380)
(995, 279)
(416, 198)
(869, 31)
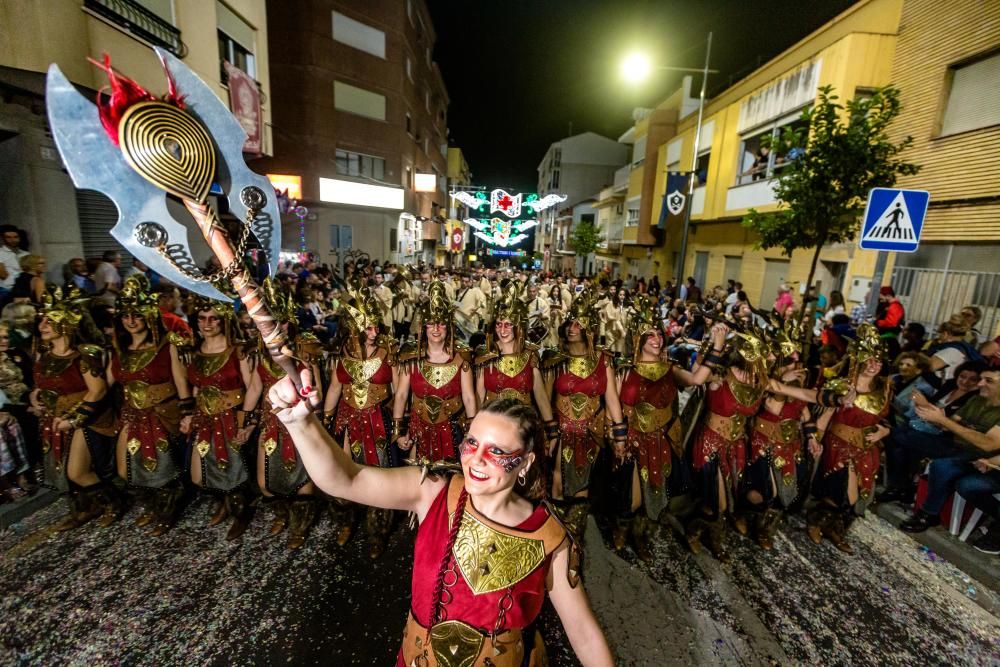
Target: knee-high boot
(302, 514)
(166, 507)
(112, 503)
(238, 506)
(767, 526)
(342, 513)
(279, 507)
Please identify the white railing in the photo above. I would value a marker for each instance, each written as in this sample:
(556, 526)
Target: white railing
(931, 296)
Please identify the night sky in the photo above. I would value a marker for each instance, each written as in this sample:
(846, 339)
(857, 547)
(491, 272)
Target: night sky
(519, 72)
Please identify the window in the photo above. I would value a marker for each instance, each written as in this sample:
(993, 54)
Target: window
(632, 220)
(409, 124)
(619, 209)
(587, 217)
(408, 182)
(760, 162)
(639, 152)
(557, 157)
(358, 101)
(702, 168)
(236, 42)
(974, 98)
(358, 35)
(359, 164)
(554, 181)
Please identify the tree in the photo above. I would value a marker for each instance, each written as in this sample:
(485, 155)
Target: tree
(585, 238)
(823, 188)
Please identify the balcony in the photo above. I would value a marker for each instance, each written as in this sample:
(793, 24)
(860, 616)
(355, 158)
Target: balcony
(751, 195)
(622, 177)
(136, 20)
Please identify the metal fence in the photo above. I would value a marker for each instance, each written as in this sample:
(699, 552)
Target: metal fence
(931, 296)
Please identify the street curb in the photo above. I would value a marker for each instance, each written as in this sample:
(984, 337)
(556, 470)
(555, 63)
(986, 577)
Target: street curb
(984, 568)
(11, 513)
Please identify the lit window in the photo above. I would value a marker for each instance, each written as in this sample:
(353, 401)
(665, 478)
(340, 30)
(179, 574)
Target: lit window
(757, 160)
(358, 100)
(358, 35)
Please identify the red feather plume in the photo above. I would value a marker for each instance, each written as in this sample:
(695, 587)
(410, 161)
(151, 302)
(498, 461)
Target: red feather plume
(124, 93)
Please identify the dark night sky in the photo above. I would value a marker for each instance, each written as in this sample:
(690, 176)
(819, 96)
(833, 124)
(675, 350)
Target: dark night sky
(520, 71)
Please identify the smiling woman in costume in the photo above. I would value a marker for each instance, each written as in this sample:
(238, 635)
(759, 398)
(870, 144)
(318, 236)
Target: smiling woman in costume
(484, 555)
(438, 372)
(77, 428)
(148, 366)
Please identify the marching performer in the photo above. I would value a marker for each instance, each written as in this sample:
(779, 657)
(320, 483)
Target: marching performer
(585, 397)
(219, 371)
(777, 469)
(484, 556)
(509, 365)
(358, 407)
(437, 370)
(282, 479)
(148, 367)
(656, 469)
(851, 436)
(77, 427)
(719, 452)
(471, 305)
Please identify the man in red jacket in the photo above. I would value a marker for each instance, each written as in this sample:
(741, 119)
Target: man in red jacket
(890, 319)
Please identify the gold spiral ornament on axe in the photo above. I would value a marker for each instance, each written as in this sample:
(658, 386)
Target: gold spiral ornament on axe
(169, 148)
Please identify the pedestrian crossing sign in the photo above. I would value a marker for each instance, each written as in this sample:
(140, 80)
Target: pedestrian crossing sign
(893, 219)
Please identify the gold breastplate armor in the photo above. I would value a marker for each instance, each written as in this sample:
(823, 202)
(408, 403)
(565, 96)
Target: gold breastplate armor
(438, 376)
(490, 560)
(582, 367)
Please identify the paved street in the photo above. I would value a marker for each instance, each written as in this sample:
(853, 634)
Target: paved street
(115, 597)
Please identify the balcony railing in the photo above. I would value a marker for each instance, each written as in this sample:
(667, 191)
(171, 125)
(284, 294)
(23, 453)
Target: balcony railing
(136, 20)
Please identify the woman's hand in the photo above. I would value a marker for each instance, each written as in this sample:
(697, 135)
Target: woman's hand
(186, 425)
(880, 432)
(62, 425)
(815, 449)
(289, 407)
(719, 332)
(621, 454)
(404, 443)
(244, 434)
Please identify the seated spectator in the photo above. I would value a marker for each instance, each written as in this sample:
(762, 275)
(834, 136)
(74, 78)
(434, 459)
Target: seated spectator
(970, 317)
(969, 434)
(75, 273)
(31, 278)
(912, 367)
(950, 350)
(914, 337)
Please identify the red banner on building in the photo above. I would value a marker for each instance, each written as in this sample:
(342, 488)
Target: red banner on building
(244, 101)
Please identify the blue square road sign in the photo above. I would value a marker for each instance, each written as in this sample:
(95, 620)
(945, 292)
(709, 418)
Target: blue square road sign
(893, 219)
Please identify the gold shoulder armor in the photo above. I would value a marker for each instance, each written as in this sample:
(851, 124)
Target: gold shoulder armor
(409, 352)
(839, 386)
(179, 340)
(550, 357)
(483, 355)
(92, 359)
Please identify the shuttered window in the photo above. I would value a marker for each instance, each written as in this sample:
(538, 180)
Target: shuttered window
(974, 100)
(97, 215)
(358, 100)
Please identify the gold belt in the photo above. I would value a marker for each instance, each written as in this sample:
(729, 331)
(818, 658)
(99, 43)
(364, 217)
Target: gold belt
(647, 418)
(578, 406)
(212, 400)
(436, 410)
(732, 427)
(361, 398)
(509, 392)
(56, 403)
(141, 395)
(786, 430)
(853, 435)
(457, 644)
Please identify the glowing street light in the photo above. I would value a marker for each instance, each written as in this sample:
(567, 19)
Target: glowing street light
(636, 67)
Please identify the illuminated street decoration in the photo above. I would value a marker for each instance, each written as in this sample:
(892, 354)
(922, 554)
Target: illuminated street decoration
(498, 231)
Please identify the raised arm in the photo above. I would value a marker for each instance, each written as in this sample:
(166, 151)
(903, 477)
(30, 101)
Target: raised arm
(335, 472)
(578, 620)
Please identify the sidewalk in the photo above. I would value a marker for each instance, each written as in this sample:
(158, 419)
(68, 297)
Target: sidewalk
(11, 513)
(984, 569)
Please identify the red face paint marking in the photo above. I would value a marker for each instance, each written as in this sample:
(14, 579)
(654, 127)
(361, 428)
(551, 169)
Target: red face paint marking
(492, 454)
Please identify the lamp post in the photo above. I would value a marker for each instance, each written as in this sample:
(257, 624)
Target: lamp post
(635, 68)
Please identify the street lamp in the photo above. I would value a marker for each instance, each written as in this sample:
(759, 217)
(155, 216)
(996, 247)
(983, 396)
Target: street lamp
(635, 68)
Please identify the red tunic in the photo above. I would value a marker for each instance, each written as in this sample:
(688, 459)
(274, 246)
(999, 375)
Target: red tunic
(499, 383)
(729, 451)
(145, 424)
(479, 611)
(576, 441)
(272, 432)
(66, 383)
(436, 441)
(864, 457)
(366, 429)
(218, 429)
(653, 449)
(784, 454)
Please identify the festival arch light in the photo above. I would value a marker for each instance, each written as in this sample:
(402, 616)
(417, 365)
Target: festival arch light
(507, 230)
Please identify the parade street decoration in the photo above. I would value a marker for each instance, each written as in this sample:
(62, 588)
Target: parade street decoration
(498, 231)
(139, 149)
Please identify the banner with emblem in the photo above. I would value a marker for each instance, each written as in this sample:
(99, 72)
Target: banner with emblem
(675, 199)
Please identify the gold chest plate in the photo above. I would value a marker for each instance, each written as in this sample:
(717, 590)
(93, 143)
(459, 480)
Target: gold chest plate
(582, 367)
(54, 366)
(361, 373)
(652, 370)
(745, 394)
(438, 376)
(490, 560)
(134, 361)
(210, 364)
(511, 365)
(872, 402)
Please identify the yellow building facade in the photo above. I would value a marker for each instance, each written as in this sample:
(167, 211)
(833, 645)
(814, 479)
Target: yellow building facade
(853, 53)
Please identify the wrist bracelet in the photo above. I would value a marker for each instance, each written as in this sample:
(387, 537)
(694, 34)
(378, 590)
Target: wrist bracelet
(619, 430)
(809, 428)
(186, 406)
(828, 398)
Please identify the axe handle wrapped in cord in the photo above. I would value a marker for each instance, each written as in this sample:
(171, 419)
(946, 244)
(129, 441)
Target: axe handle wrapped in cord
(249, 292)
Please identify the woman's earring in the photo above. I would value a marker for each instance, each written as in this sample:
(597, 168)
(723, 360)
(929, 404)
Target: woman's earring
(522, 477)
